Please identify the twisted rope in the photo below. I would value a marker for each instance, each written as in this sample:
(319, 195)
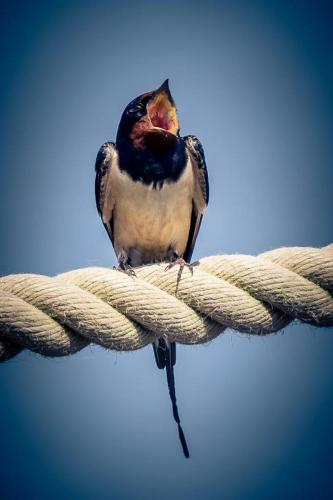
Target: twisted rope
(256, 295)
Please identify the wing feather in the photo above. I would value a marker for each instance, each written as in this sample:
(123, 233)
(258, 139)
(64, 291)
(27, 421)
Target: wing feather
(106, 158)
(201, 190)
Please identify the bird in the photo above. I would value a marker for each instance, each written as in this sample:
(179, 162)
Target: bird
(152, 190)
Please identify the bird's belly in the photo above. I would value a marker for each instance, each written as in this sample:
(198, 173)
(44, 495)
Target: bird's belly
(151, 224)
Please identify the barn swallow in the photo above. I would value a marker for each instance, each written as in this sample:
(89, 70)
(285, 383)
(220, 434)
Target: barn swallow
(151, 192)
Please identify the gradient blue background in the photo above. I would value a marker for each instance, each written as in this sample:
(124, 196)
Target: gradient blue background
(254, 81)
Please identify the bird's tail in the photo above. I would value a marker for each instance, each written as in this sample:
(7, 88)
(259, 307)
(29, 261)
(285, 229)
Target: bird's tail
(165, 356)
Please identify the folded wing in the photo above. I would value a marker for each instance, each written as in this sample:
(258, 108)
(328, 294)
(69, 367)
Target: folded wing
(201, 190)
(106, 159)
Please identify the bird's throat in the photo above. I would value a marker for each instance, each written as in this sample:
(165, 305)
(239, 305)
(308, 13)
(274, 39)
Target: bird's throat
(157, 140)
(154, 164)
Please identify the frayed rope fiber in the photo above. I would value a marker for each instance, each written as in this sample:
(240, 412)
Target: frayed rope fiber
(256, 295)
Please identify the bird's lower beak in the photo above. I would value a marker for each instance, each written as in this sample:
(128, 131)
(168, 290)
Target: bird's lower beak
(161, 110)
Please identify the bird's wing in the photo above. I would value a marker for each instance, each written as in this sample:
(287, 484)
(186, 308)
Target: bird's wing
(107, 156)
(201, 190)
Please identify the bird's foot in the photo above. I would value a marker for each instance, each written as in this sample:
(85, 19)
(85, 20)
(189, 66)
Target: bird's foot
(124, 265)
(181, 263)
(126, 268)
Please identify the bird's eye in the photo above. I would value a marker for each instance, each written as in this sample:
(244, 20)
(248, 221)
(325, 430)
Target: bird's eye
(137, 108)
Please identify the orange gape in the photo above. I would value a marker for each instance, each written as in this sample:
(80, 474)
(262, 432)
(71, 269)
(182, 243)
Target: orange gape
(163, 114)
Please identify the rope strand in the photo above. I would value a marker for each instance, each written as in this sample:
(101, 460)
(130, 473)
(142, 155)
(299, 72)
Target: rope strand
(255, 295)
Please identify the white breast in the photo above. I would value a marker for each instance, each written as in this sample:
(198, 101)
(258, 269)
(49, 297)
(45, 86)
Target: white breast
(149, 222)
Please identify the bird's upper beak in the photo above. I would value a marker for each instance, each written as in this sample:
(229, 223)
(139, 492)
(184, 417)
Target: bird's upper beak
(161, 110)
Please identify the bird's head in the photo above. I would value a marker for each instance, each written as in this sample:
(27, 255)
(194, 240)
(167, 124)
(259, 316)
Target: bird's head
(150, 121)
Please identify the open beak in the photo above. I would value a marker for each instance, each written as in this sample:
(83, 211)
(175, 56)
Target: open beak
(161, 110)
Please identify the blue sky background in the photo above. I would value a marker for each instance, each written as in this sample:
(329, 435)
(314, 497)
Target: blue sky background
(253, 80)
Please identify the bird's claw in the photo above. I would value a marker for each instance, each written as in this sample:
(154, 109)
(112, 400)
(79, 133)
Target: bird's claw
(125, 268)
(181, 263)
